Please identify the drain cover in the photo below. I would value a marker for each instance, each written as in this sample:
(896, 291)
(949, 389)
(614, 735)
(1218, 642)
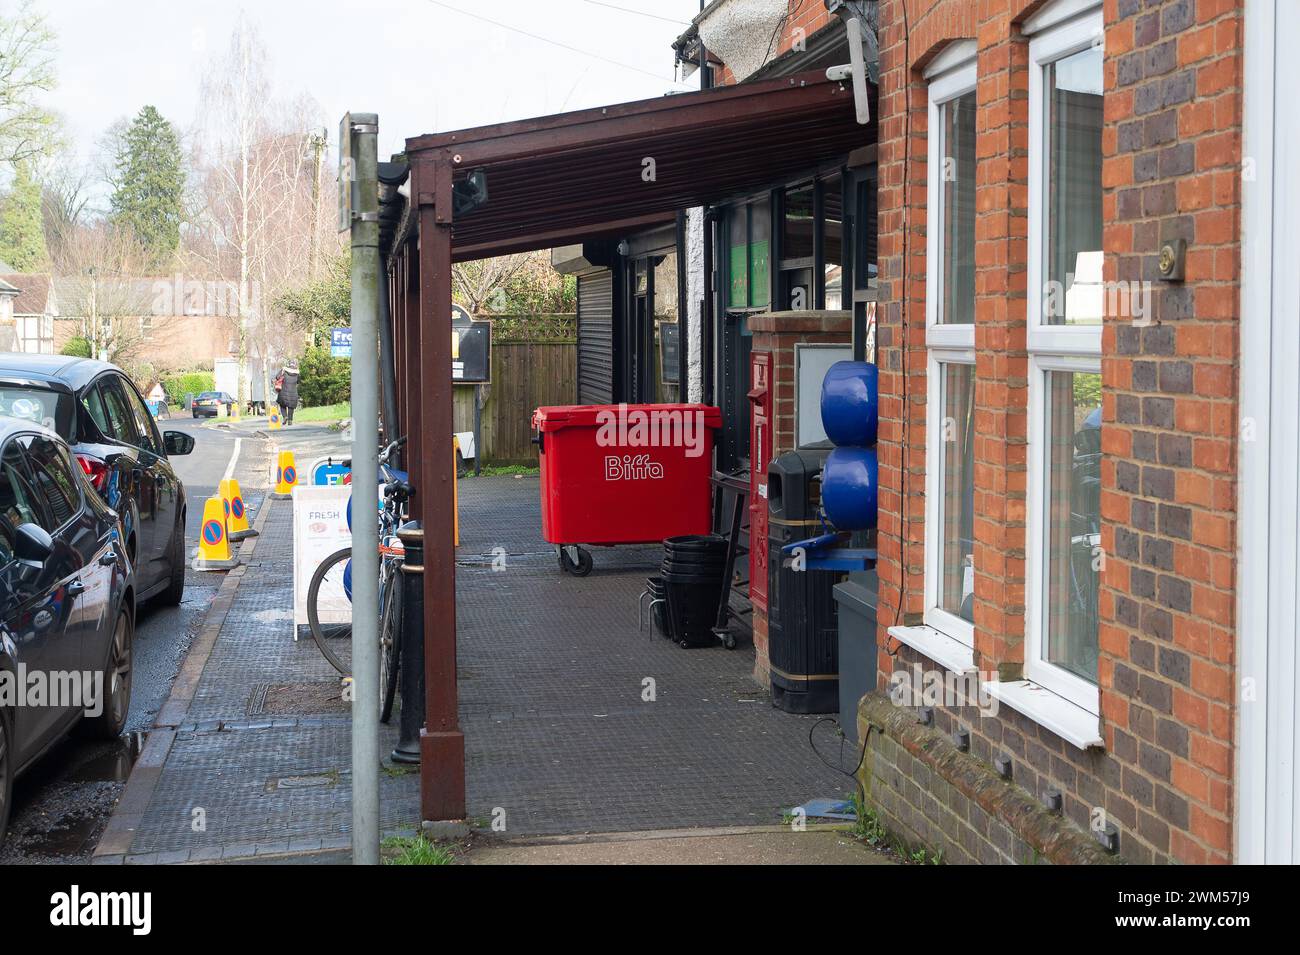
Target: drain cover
(297, 699)
(309, 781)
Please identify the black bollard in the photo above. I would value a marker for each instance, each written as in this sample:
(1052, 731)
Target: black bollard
(411, 667)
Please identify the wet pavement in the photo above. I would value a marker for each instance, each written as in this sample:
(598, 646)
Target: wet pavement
(62, 804)
(561, 736)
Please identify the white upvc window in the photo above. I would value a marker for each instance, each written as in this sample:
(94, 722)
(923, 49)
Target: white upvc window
(950, 341)
(1065, 305)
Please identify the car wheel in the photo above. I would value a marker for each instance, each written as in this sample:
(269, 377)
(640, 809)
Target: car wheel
(117, 683)
(8, 753)
(175, 592)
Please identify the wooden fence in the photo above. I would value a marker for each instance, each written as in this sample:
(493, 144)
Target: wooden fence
(525, 376)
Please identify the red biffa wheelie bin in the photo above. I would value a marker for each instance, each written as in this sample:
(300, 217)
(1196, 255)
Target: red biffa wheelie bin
(623, 474)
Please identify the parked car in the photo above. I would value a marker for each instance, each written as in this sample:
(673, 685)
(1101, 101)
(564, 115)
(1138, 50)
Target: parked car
(67, 602)
(208, 403)
(95, 408)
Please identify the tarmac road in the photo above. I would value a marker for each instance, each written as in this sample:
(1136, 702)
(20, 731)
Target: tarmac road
(62, 803)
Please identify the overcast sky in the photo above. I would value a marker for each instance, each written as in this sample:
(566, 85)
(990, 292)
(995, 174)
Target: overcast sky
(419, 64)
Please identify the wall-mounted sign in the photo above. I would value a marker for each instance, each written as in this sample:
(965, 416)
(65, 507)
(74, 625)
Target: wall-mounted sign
(471, 347)
(669, 353)
(341, 342)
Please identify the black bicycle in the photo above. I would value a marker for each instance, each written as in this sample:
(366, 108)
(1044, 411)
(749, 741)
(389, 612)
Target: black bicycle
(334, 577)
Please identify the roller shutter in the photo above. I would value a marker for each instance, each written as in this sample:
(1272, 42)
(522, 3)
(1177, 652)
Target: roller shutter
(596, 338)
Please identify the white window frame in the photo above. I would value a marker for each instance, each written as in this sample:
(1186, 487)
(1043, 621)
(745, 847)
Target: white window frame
(951, 75)
(1038, 668)
(1079, 32)
(963, 631)
(956, 80)
(1058, 30)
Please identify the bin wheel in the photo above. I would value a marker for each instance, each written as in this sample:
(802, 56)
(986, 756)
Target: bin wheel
(729, 641)
(579, 569)
(684, 644)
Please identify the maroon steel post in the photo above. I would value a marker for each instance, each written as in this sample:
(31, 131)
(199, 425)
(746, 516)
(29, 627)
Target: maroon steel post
(442, 744)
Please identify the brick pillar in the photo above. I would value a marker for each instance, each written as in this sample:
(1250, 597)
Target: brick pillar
(900, 323)
(778, 333)
(1172, 170)
(1001, 359)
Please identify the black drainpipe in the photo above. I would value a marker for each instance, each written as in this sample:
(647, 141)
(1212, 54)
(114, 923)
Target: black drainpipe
(387, 362)
(708, 318)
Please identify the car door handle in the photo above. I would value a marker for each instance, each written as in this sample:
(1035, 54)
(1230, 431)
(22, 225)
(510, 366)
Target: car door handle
(76, 587)
(108, 559)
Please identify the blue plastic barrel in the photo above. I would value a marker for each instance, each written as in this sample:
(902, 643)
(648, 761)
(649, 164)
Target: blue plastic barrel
(851, 403)
(849, 488)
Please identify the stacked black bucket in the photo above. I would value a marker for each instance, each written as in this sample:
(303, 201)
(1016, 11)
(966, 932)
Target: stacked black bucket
(690, 586)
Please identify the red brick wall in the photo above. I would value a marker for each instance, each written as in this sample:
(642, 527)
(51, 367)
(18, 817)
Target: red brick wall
(1171, 170)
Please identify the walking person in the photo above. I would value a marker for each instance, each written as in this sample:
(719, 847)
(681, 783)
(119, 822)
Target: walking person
(286, 388)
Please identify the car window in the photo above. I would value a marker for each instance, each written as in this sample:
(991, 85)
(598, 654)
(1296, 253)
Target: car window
(19, 500)
(93, 404)
(144, 425)
(121, 423)
(52, 469)
(50, 409)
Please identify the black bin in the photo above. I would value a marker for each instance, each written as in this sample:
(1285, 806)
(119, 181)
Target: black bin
(692, 572)
(802, 618)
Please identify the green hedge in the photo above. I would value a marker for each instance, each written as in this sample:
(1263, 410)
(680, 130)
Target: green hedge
(190, 382)
(77, 347)
(323, 379)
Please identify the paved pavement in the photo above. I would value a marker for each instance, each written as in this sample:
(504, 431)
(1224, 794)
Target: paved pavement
(561, 733)
(553, 671)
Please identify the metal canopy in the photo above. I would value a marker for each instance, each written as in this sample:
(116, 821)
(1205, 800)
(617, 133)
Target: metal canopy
(552, 181)
(559, 179)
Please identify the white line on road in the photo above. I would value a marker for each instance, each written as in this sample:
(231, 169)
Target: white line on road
(234, 456)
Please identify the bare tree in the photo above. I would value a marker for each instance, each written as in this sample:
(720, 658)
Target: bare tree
(26, 70)
(480, 285)
(254, 169)
(100, 269)
(65, 202)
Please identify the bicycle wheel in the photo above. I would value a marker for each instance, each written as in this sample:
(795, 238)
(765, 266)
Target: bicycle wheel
(333, 639)
(390, 643)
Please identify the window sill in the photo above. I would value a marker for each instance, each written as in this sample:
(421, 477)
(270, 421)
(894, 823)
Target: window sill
(1072, 723)
(939, 647)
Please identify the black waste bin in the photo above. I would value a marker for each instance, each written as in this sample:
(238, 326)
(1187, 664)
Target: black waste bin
(803, 636)
(692, 572)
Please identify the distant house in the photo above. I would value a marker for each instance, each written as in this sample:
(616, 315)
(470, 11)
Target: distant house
(29, 309)
(8, 328)
(159, 319)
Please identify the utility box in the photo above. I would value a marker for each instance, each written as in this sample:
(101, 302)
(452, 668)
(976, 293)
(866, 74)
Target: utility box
(803, 636)
(856, 600)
